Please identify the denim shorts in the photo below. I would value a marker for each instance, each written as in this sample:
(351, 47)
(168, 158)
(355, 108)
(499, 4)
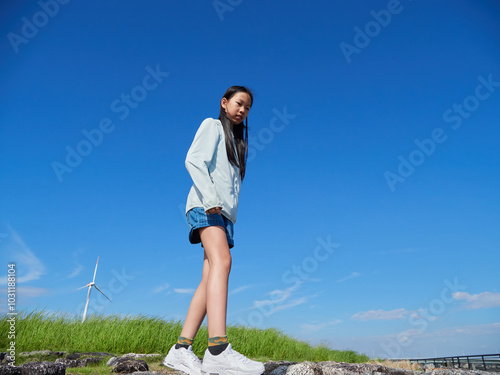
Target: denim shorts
(197, 218)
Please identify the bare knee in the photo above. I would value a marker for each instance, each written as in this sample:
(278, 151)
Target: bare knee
(221, 262)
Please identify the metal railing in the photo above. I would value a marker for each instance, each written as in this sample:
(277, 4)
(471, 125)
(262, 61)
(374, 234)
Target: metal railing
(488, 362)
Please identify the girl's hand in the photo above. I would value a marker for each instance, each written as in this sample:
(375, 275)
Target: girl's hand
(215, 210)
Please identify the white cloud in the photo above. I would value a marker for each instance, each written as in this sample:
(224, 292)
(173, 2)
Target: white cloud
(483, 300)
(479, 329)
(351, 276)
(184, 291)
(161, 288)
(76, 271)
(310, 328)
(277, 296)
(449, 332)
(240, 289)
(281, 300)
(293, 303)
(382, 315)
(28, 266)
(78, 267)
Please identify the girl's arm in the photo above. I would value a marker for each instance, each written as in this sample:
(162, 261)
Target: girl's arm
(198, 160)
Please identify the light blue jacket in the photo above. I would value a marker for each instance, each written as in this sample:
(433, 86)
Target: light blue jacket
(216, 182)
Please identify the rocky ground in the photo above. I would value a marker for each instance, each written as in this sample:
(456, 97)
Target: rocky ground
(55, 363)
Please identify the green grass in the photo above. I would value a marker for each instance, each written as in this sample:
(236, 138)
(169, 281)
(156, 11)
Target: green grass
(143, 334)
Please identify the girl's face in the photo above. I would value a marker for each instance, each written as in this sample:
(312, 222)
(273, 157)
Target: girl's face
(237, 107)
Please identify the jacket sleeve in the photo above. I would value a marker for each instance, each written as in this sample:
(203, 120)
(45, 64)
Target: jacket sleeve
(199, 157)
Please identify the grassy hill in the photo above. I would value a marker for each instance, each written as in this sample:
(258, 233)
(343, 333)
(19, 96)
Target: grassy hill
(142, 334)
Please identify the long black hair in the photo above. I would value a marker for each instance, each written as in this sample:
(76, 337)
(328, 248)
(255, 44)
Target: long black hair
(237, 131)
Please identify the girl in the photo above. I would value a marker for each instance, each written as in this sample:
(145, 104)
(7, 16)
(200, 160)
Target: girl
(216, 162)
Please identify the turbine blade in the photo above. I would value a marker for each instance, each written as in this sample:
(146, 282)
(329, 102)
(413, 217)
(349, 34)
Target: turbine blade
(81, 288)
(86, 305)
(101, 292)
(95, 269)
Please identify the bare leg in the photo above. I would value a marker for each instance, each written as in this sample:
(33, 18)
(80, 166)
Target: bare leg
(198, 306)
(210, 297)
(219, 258)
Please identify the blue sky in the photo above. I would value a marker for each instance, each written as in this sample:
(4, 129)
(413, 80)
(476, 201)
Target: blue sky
(369, 215)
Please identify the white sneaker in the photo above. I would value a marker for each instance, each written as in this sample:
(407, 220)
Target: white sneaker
(230, 362)
(184, 360)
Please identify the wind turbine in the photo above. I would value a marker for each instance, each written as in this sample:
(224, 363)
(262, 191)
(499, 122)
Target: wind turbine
(90, 285)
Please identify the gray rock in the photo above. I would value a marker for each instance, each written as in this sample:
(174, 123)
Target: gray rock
(440, 371)
(338, 368)
(10, 370)
(281, 370)
(112, 361)
(43, 368)
(5, 358)
(304, 368)
(81, 359)
(128, 365)
(137, 356)
(83, 362)
(365, 368)
(36, 352)
(89, 354)
(131, 364)
(273, 365)
(277, 367)
(45, 353)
